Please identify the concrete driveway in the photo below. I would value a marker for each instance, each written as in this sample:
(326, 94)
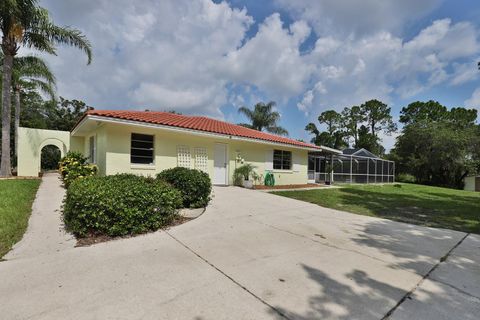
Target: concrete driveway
(251, 255)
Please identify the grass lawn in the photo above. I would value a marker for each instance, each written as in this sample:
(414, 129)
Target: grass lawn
(411, 203)
(16, 197)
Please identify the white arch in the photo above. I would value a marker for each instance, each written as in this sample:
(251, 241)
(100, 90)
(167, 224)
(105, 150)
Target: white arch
(30, 145)
(54, 142)
(50, 142)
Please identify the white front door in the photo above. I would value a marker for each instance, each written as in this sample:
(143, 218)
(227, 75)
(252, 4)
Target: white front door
(220, 164)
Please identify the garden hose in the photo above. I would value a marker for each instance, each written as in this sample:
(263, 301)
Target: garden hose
(269, 179)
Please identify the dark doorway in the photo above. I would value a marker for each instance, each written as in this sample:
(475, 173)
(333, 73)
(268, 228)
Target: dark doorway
(49, 158)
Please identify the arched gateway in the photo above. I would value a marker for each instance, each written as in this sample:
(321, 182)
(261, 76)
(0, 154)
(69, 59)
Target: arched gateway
(31, 143)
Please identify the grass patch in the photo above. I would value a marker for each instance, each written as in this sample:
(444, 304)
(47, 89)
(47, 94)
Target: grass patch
(411, 203)
(16, 197)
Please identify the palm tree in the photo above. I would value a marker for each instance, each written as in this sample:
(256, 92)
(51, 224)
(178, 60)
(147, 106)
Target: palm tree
(32, 73)
(262, 117)
(24, 23)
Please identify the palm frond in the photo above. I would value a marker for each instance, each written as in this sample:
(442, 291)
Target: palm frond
(246, 125)
(43, 86)
(312, 128)
(43, 35)
(247, 112)
(33, 66)
(38, 41)
(278, 130)
(71, 37)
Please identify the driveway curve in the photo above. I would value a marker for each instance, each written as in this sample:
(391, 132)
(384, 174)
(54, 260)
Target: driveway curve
(252, 255)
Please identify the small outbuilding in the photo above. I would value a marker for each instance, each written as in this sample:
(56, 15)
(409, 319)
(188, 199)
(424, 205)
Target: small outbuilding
(472, 183)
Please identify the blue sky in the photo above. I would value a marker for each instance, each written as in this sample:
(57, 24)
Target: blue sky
(210, 57)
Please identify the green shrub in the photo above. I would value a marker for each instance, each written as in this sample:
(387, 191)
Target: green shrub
(244, 172)
(73, 166)
(119, 205)
(405, 177)
(195, 185)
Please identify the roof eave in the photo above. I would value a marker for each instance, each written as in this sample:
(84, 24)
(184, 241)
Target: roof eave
(192, 131)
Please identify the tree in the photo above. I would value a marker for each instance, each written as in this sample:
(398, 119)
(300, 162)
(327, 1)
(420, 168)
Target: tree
(435, 153)
(320, 138)
(378, 117)
(64, 114)
(32, 114)
(262, 117)
(462, 118)
(24, 23)
(352, 118)
(30, 72)
(418, 111)
(438, 146)
(333, 137)
(332, 119)
(368, 141)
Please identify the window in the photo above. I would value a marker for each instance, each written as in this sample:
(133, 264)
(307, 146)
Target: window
(183, 156)
(282, 160)
(201, 159)
(141, 149)
(311, 163)
(92, 149)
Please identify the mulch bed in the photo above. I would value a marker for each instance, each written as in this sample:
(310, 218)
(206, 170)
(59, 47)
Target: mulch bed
(94, 239)
(288, 186)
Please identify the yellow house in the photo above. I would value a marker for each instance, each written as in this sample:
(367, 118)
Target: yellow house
(145, 142)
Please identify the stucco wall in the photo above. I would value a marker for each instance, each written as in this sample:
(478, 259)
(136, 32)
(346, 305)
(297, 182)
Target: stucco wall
(113, 141)
(30, 144)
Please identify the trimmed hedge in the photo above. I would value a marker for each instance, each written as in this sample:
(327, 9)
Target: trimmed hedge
(195, 185)
(119, 205)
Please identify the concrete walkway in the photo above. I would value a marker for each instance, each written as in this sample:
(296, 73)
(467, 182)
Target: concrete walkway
(254, 255)
(45, 233)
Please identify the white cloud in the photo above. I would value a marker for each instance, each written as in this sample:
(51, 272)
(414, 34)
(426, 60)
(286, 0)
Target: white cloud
(189, 54)
(384, 66)
(474, 100)
(464, 72)
(308, 97)
(388, 140)
(451, 41)
(271, 60)
(357, 17)
(155, 54)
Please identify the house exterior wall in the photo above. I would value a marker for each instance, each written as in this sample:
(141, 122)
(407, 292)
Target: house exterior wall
(30, 144)
(77, 144)
(113, 153)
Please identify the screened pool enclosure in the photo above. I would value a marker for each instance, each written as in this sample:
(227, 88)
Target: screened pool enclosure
(349, 168)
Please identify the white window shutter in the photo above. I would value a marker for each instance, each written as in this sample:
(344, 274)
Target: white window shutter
(269, 160)
(183, 156)
(201, 159)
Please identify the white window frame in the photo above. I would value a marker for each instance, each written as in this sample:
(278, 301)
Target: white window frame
(281, 162)
(153, 150)
(92, 149)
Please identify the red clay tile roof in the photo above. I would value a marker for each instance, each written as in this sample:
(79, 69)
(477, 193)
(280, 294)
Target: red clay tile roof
(197, 123)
